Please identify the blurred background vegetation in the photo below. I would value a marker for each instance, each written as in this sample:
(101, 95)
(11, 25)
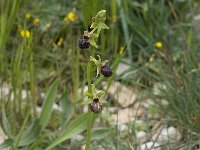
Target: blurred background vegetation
(39, 56)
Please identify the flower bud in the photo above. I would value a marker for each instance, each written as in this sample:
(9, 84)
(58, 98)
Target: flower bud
(101, 13)
(106, 71)
(96, 106)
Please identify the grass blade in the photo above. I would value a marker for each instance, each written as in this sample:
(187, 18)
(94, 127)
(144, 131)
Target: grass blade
(48, 104)
(6, 143)
(6, 124)
(31, 134)
(100, 133)
(77, 126)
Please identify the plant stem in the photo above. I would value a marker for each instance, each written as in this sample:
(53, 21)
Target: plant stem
(90, 113)
(89, 128)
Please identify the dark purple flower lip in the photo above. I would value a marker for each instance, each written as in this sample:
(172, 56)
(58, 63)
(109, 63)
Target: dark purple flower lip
(96, 106)
(84, 43)
(106, 71)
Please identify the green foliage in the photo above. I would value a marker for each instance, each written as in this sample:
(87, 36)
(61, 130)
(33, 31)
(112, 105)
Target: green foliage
(6, 143)
(31, 134)
(48, 104)
(36, 64)
(180, 89)
(100, 133)
(76, 126)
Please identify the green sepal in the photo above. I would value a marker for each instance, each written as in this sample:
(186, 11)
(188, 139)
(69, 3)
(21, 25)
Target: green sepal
(93, 43)
(92, 59)
(89, 95)
(93, 35)
(101, 13)
(102, 25)
(103, 101)
(100, 94)
(88, 101)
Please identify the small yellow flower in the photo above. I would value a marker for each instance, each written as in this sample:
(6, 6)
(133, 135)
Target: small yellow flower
(56, 43)
(53, 43)
(36, 22)
(60, 41)
(28, 16)
(158, 45)
(71, 16)
(25, 33)
(121, 50)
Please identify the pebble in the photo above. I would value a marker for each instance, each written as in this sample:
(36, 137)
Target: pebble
(167, 135)
(79, 137)
(158, 87)
(123, 127)
(126, 115)
(56, 107)
(39, 110)
(151, 145)
(122, 68)
(141, 136)
(121, 94)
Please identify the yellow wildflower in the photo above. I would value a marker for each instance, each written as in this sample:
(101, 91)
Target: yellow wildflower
(60, 41)
(53, 43)
(121, 50)
(28, 16)
(56, 43)
(158, 45)
(25, 33)
(71, 16)
(36, 22)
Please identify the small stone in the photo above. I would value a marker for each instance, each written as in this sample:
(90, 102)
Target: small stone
(79, 137)
(42, 95)
(126, 115)
(167, 135)
(56, 107)
(38, 110)
(141, 136)
(122, 68)
(24, 94)
(85, 108)
(83, 147)
(150, 146)
(123, 127)
(4, 90)
(196, 21)
(158, 87)
(125, 96)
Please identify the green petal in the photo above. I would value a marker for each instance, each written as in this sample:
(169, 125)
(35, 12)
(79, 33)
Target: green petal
(88, 101)
(100, 94)
(93, 43)
(103, 101)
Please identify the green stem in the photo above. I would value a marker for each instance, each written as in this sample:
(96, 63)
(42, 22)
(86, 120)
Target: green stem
(90, 113)
(89, 128)
(89, 78)
(92, 51)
